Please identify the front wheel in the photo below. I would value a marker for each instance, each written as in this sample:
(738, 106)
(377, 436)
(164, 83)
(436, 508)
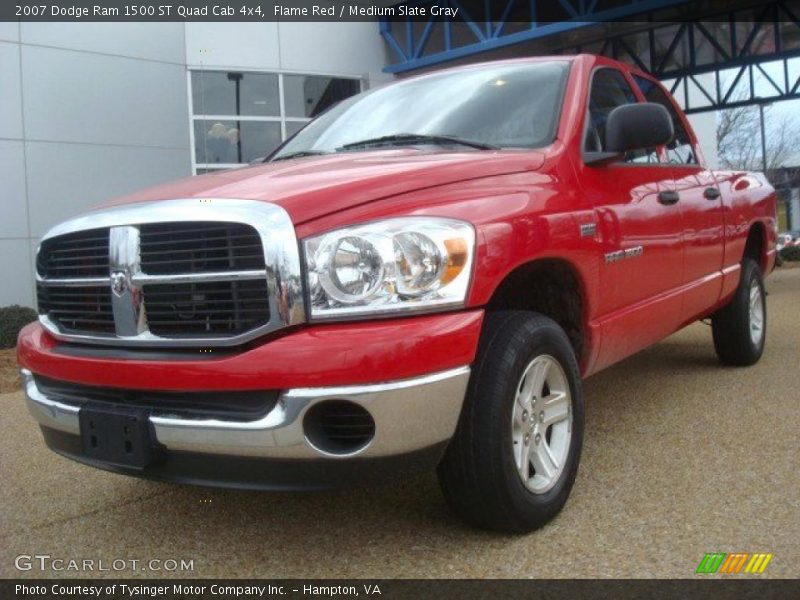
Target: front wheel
(740, 327)
(513, 459)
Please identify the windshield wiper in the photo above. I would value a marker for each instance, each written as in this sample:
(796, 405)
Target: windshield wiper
(401, 139)
(300, 154)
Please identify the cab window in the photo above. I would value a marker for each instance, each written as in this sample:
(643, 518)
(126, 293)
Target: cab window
(609, 90)
(680, 150)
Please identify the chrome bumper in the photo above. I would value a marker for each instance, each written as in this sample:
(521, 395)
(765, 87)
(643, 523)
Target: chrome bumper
(410, 414)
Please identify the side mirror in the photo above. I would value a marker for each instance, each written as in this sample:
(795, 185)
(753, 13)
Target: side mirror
(638, 127)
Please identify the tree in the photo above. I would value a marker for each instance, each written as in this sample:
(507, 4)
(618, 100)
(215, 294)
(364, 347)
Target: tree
(739, 138)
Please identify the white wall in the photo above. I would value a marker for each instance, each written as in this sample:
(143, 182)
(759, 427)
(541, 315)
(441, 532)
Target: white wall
(89, 111)
(352, 49)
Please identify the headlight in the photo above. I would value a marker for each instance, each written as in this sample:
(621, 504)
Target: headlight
(412, 263)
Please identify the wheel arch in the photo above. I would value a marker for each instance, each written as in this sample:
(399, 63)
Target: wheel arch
(550, 286)
(755, 247)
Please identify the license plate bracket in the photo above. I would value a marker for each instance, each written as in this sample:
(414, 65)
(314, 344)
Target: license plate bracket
(119, 436)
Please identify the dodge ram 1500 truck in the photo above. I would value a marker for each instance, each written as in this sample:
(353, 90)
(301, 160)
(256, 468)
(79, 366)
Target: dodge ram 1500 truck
(423, 275)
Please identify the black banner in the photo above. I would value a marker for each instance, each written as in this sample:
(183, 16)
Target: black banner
(411, 589)
(461, 11)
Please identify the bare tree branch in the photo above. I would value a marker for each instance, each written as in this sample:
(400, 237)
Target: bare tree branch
(739, 138)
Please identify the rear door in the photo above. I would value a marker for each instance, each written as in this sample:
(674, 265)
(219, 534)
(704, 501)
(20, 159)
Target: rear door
(701, 204)
(639, 227)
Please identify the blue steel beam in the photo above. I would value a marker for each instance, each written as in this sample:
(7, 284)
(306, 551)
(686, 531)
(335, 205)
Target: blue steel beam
(489, 36)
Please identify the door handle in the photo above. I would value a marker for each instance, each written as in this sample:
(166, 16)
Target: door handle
(711, 193)
(668, 197)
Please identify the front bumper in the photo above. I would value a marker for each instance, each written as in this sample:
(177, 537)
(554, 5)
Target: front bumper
(409, 415)
(414, 419)
(409, 374)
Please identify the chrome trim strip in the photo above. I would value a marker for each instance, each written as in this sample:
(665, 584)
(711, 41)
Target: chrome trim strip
(73, 282)
(49, 413)
(143, 278)
(409, 414)
(283, 272)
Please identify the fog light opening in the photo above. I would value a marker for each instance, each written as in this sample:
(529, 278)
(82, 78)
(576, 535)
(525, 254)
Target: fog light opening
(338, 427)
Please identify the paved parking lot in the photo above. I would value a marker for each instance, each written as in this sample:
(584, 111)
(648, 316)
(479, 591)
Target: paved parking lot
(682, 457)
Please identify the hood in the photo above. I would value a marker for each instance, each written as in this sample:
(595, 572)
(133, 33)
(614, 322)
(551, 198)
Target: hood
(308, 188)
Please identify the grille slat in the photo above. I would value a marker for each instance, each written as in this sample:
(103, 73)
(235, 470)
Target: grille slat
(78, 258)
(214, 308)
(78, 309)
(174, 310)
(172, 229)
(155, 243)
(79, 254)
(193, 261)
(214, 247)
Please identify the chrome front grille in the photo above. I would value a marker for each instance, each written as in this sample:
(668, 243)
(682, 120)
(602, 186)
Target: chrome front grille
(79, 254)
(178, 272)
(215, 307)
(199, 247)
(77, 309)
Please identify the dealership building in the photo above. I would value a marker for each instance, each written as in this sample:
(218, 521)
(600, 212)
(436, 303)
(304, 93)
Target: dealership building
(90, 111)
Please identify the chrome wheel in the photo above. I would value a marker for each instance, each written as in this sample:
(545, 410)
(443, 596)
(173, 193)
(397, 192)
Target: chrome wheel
(756, 313)
(541, 424)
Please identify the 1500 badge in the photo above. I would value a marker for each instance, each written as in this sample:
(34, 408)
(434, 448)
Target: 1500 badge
(612, 257)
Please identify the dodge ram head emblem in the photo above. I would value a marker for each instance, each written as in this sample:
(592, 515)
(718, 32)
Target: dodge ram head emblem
(120, 283)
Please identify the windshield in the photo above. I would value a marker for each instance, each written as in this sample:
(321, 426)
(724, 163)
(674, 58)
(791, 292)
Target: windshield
(508, 106)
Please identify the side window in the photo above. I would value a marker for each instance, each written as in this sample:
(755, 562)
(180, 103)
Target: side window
(609, 90)
(680, 150)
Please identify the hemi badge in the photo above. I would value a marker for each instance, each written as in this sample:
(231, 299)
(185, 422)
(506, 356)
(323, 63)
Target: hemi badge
(588, 229)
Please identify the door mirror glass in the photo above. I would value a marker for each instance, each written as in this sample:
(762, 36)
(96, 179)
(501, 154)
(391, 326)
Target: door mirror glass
(637, 127)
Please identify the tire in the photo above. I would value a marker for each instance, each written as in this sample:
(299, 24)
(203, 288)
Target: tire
(739, 333)
(480, 473)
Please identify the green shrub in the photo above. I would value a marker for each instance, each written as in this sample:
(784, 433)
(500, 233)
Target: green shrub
(790, 253)
(12, 319)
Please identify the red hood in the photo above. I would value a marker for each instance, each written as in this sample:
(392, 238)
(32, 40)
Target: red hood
(311, 187)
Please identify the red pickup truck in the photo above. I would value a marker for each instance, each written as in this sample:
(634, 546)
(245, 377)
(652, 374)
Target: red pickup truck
(423, 275)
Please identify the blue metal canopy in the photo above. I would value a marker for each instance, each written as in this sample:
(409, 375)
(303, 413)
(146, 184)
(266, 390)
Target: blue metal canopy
(744, 54)
(488, 22)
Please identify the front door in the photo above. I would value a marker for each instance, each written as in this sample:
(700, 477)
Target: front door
(639, 228)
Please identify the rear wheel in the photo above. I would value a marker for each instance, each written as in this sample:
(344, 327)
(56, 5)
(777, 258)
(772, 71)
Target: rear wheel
(740, 327)
(515, 453)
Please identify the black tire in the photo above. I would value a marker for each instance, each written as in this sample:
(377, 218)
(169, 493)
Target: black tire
(731, 325)
(478, 473)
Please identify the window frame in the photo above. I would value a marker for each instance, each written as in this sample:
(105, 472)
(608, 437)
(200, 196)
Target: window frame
(677, 110)
(363, 84)
(638, 97)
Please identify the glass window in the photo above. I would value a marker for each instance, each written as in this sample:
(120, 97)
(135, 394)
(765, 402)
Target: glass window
(234, 141)
(680, 150)
(514, 105)
(235, 93)
(309, 96)
(293, 127)
(609, 90)
(239, 116)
